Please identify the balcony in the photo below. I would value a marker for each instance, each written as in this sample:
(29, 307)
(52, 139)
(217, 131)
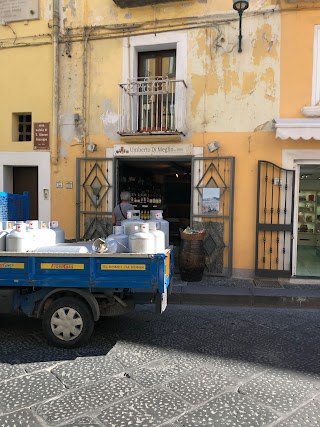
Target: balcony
(152, 106)
(137, 3)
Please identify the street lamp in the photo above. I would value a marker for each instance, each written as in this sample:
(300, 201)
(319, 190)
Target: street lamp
(240, 6)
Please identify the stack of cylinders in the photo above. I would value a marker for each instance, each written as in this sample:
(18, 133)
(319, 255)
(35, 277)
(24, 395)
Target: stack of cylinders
(142, 242)
(121, 239)
(19, 240)
(60, 237)
(157, 217)
(159, 237)
(133, 220)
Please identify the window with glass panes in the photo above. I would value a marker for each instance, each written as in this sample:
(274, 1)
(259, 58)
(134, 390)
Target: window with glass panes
(24, 127)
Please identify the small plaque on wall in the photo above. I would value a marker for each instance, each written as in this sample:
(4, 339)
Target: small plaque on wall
(19, 10)
(41, 136)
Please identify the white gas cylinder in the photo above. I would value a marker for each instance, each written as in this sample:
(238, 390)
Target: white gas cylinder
(129, 224)
(159, 236)
(157, 217)
(63, 249)
(47, 236)
(3, 235)
(142, 242)
(19, 240)
(60, 237)
(33, 230)
(86, 244)
(121, 238)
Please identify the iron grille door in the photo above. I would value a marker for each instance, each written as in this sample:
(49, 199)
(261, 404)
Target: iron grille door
(274, 223)
(212, 209)
(94, 203)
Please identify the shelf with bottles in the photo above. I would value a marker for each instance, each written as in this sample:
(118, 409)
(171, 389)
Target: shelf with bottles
(309, 212)
(146, 197)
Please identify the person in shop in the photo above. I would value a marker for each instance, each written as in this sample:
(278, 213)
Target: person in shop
(121, 210)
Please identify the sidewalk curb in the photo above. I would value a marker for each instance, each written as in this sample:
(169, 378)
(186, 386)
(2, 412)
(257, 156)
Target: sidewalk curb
(282, 298)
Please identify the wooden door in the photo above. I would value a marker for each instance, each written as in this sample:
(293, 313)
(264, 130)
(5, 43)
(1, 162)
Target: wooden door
(25, 178)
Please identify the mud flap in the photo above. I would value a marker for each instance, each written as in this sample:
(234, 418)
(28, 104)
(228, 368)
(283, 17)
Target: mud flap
(161, 301)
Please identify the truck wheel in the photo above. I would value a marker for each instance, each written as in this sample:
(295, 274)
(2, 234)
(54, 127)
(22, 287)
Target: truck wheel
(67, 323)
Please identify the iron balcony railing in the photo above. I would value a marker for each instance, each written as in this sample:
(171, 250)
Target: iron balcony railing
(152, 106)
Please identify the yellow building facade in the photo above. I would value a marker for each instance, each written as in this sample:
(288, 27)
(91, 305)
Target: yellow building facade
(104, 95)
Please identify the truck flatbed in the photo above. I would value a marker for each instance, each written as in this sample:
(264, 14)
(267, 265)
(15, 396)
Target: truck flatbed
(70, 291)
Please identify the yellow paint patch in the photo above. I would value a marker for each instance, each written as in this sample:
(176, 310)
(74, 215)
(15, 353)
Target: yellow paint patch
(268, 78)
(231, 79)
(249, 83)
(19, 265)
(56, 266)
(264, 46)
(123, 267)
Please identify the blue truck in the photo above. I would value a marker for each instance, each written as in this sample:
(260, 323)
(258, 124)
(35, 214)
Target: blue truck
(70, 292)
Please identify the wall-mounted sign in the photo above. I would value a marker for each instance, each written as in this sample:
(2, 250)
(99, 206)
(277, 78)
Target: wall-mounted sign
(41, 136)
(163, 150)
(18, 10)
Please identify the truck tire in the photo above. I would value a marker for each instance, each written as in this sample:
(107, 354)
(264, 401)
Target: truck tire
(67, 323)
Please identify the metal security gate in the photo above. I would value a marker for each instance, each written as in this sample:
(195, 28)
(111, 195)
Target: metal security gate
(212, 208)
(274, 223)
(94, 200)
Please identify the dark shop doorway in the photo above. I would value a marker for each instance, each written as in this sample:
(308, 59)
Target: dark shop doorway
(25, 178)
(159, 184)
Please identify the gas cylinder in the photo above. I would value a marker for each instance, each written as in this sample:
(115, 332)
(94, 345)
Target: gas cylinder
(157, 217)
(60, 237)
(87, 244)
(3, 235)
(121, 238)
(33, 230)
(19, 240)
(129, 224)
(159, 236)
(142, 242)
(63, 249)
(103, 246)
(47, 236)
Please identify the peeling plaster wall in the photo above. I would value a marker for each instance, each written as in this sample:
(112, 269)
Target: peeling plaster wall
(104, 65)
(224, 82)
(221, 82)
(98, 12)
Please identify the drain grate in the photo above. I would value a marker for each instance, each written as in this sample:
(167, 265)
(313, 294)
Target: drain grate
(267, 284)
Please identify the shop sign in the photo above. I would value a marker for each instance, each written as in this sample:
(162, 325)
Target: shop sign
(41, 136)
(131, 150)
(18, 10)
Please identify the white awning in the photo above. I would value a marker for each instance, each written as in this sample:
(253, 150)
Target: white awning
(297, 128)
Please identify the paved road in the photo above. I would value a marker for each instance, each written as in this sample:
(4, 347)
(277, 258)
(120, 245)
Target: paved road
(192, 367)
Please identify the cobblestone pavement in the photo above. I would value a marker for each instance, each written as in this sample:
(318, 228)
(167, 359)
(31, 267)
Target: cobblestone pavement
(197, 366)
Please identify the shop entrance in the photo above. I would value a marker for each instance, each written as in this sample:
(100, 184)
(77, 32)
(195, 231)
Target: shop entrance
(308, 249)
(159, 184)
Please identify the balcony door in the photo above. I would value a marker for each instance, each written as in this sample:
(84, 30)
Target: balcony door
(156, 74)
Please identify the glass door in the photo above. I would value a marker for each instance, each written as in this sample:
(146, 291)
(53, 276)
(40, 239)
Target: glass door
(156, 75)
